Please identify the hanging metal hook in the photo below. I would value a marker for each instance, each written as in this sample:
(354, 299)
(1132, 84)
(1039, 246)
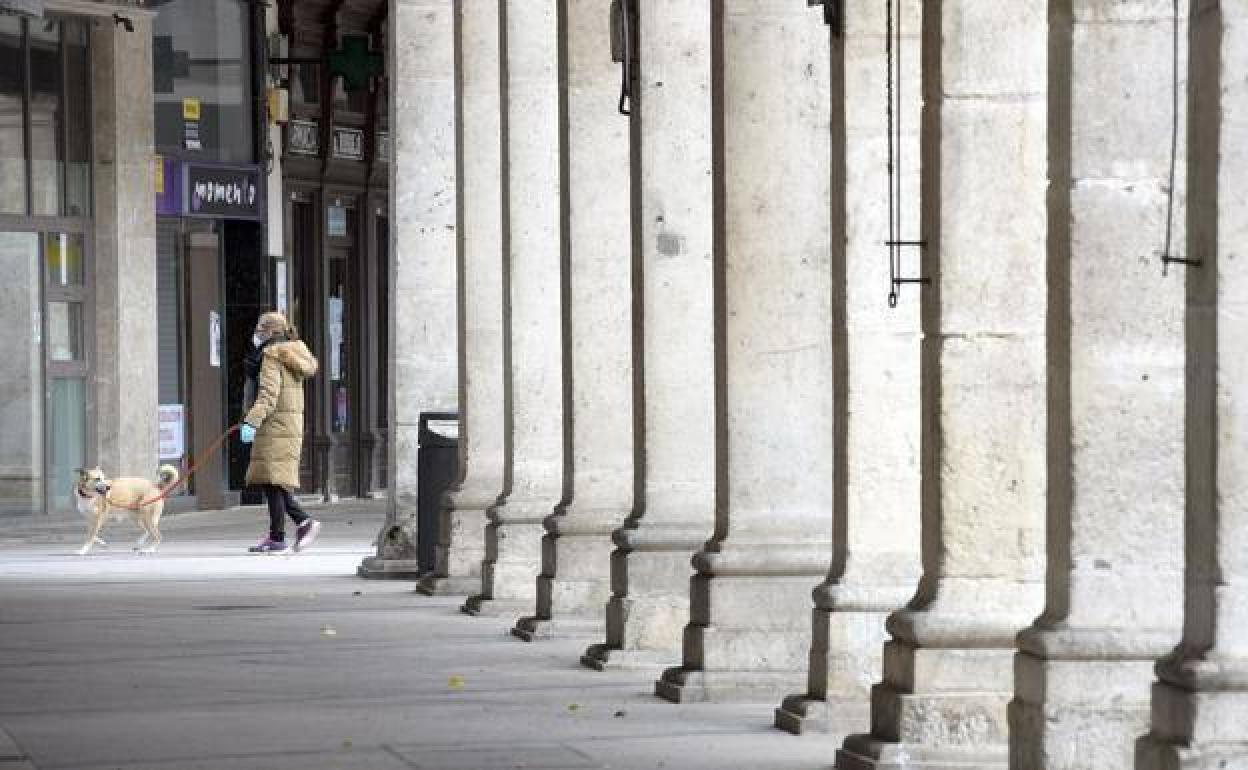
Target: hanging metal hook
(624, 49)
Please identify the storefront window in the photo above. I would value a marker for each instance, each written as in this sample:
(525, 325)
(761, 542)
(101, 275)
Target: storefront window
(78, 119)
(45, 140)
(12, 128)
(201, 61)
(46, 148)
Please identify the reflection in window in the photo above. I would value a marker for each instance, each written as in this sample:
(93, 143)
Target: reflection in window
(65, 331)
(78, 118)
(201, 61)
(63, 255)
(67, 433)
(46, 147)
(12, 136)
(21, 376)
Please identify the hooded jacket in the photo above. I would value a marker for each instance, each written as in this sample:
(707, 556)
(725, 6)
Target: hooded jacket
(277, 414)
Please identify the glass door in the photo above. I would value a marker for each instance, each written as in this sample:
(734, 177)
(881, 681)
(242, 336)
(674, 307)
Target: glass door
(21, 377)
(65, 329)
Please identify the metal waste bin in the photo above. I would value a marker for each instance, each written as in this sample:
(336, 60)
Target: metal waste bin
(437, 460)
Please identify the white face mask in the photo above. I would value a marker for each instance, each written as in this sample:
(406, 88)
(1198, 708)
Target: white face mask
(257, 340)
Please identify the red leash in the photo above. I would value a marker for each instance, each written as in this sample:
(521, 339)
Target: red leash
(201, 458)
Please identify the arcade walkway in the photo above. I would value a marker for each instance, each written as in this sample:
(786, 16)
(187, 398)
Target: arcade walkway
(204, 657)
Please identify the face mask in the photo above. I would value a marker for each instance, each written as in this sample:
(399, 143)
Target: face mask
(257, 340)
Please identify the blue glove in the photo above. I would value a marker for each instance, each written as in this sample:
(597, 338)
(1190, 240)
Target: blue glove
(246, 434)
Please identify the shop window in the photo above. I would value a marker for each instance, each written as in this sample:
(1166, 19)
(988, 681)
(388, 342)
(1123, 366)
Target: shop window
(201, 59)
(45, 123)
(12, 128)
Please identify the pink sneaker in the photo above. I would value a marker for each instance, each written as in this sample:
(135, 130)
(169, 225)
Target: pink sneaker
(268, 545)
(306, 534)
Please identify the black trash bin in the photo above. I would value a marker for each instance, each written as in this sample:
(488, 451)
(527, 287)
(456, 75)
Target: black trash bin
(437, 460)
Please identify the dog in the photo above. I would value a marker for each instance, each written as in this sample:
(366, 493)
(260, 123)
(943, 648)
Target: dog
(99, 498)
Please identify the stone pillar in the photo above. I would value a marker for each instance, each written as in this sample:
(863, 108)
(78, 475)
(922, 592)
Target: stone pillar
(482, 444)
(875, 548)
(948, 671)
(534, 246)
(1200, 706)
(650, 570)
(424, 373)
(575, 583)
(126, 373)
(749, 630)
(1115, 549)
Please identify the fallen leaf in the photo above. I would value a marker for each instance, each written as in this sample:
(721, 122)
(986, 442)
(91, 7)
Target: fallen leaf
(328, 631)
(573, 706)
(620, 714)
(456, 682)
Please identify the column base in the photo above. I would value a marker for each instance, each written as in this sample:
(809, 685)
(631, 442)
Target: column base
(604, 657)
(440, 585)
(487, 607)
(836, 718)
(683, 685)
(377, 568)
(862, 752)
(1198, 729)
(1154, 754)
(532, 628)
(1082, 697)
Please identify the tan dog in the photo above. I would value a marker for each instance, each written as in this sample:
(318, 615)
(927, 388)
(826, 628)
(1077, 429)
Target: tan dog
(100, 498)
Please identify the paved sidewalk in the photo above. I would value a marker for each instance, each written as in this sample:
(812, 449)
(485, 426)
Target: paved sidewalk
(204, 656)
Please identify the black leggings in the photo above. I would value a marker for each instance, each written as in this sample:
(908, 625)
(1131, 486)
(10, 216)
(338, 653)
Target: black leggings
(281, 504)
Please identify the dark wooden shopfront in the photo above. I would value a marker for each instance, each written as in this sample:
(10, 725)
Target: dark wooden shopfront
(336, 179)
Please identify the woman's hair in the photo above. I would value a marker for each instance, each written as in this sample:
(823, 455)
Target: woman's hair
(276, 324)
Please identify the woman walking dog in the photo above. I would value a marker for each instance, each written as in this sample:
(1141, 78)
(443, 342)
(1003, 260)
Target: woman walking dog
(273, 425)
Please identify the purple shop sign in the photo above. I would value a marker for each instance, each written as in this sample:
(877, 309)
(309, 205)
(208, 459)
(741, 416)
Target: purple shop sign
(222, 192)
(168, 187)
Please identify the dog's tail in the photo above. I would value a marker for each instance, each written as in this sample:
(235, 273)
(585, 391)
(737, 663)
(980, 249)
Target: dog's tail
(168, 476)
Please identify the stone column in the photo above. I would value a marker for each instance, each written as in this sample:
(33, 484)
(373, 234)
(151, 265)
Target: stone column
(482, 445)
(575, 583)
(1115, 550)
(1200, 706)
(535, 282)
(875, 548)
(125, 248)
(650, 570)
(749, 630)
(948, 671)
(424, 373)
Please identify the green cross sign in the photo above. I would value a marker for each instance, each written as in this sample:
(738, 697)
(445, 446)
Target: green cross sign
(355, 63)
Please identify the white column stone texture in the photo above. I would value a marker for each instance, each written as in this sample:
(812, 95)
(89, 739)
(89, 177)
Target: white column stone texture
(948, 671)
(125, 249)
(482, 439)
(749, 632)
(1116, 473)
(424, 373)
(575, 583)
(1200, 706)
(650, 570)
(875, 549)
(535, 326)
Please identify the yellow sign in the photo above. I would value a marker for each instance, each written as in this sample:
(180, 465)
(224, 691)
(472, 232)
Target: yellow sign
(190, 109)
(158, 165)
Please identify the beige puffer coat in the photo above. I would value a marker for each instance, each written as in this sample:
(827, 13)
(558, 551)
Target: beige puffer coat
(277, 414)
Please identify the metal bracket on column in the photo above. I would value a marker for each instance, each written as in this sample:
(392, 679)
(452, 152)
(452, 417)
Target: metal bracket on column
(624, 49)
(831, 13)
(1167, 257)
(895, 243)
